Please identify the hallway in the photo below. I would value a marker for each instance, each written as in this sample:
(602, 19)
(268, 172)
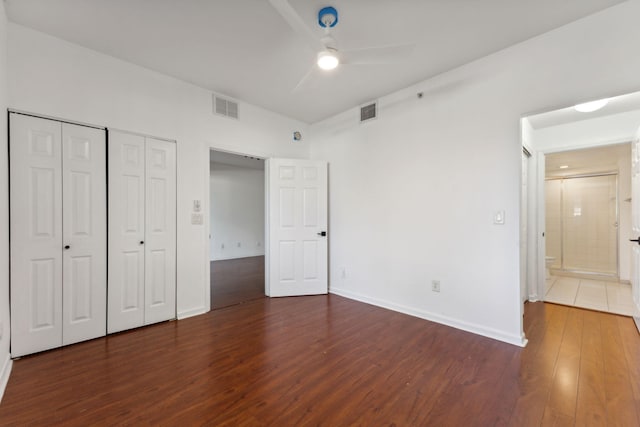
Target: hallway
(235, 281)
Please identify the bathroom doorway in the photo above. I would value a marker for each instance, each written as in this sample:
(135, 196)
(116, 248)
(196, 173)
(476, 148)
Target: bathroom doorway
(587, 211)
(580, 149)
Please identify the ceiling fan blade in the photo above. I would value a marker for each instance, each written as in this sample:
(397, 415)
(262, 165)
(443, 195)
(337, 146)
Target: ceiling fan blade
(297, 24)
(377, 55)
(306, 79)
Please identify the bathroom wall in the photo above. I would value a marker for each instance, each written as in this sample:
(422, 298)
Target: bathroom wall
(553, 221)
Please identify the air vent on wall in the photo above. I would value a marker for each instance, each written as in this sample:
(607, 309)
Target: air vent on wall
(225, 107)
(368, 112)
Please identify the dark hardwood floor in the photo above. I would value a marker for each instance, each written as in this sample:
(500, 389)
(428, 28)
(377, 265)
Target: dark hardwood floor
(235, 281)
(327, 360)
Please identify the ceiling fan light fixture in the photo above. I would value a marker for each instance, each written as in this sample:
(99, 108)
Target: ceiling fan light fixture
(589, 107)
(328, 59)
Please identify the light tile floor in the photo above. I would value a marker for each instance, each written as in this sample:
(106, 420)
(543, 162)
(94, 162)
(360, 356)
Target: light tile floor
(592, 294)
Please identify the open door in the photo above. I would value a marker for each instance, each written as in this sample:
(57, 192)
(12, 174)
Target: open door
(635, 221)
(296, 197)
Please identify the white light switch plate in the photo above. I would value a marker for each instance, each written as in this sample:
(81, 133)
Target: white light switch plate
(498, 217)
(196, 219)
(197, 206)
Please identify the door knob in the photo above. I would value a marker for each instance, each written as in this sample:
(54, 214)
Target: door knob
(142, 242)
(67, 247)
(635, 240)
(322, 233)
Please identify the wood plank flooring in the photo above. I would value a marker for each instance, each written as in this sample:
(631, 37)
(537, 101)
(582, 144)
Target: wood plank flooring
(234, 281)
(327, 360)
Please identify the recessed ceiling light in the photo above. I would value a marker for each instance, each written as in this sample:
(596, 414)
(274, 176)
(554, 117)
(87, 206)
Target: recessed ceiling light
(564, 166)
(588, 107)
(328, 59)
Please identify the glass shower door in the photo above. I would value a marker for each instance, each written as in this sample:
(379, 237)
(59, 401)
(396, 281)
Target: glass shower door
(589, 224)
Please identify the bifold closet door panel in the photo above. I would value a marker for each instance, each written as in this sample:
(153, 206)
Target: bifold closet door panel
(126, 231)
(160, 244)
(84, 206)
(36, 234)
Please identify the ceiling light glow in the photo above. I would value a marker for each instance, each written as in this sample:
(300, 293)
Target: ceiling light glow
(588, 107)
(328, 60)
(564, 166)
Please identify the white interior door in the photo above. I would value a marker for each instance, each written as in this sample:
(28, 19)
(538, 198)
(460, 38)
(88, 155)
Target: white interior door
(635, 218)
(296, 227)
(126, 231)
(36, 234)
(160, 234)
(84, 206)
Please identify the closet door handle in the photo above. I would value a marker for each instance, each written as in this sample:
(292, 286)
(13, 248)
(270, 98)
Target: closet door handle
(142, 242)
(635, 240)
(67, 247)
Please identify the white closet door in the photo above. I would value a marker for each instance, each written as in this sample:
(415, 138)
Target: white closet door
(160, 243)
(84, 206)
(126, 231)
(36, 234)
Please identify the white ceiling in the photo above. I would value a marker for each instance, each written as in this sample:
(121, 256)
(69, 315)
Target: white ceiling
(236, 160)
(244, 49)
(616, 105)
(591, 160)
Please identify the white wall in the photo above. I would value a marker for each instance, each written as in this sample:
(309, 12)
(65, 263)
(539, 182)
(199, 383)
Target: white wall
(5, 361)
(52, 77)
(413, 193)
(612, 129)
(237, 212)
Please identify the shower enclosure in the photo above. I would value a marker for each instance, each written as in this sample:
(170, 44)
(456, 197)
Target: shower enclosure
(582, 223)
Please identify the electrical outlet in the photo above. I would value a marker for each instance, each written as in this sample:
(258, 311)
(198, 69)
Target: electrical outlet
(239, 244)
(259, 244)
(222, 246)
(344, 273)
(435, 285)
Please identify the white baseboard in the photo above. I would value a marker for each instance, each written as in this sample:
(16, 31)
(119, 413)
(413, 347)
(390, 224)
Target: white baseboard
(518, 340)
(190, 313)
(247, 255)
(4, 374)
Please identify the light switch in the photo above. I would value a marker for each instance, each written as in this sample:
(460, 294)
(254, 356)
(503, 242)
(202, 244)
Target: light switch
(196, 219)
(498, 217)
(196, 206)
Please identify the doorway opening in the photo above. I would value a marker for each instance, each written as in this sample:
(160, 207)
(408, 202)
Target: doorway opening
(580, 206)
(587, 211)
(237, 228)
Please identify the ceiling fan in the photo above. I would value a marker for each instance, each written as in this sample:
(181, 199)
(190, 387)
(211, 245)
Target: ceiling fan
(329, 56)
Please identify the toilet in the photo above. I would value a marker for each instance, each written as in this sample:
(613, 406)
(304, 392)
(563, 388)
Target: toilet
(548, 262)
